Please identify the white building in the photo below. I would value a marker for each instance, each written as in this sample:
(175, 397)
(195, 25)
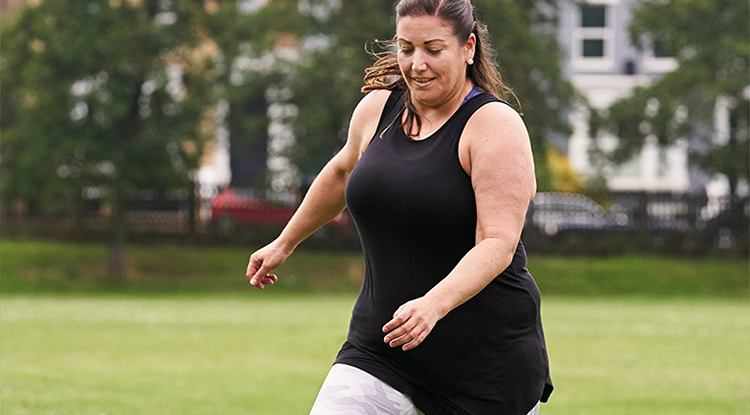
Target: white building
(604, 67)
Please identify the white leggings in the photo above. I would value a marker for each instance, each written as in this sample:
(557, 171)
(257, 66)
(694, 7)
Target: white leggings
(348, 390)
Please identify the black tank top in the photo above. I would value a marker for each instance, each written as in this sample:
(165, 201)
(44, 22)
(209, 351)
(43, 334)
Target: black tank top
(415, 211)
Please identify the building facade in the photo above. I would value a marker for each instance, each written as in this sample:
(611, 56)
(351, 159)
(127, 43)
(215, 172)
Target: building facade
(604, 67)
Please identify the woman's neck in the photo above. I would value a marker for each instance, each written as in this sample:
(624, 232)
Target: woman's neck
(434, 116)
(452, 102)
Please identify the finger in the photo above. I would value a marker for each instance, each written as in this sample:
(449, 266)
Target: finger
(259, 283)
(398, 332)
(252, 266)
(416, 342)
(262, 272)
(269, 280)
(395, 322)
(406, 338)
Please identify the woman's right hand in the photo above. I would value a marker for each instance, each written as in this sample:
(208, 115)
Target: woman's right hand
(265, 260)
(325, 199)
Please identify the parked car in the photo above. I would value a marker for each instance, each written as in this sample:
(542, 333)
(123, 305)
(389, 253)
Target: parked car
(553, 212)
(233, 208)
(668, 216)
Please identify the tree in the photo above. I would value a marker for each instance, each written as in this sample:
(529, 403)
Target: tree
(252, 42)
(709, 39)
(337, 61)
(521, 31)
(105, 95)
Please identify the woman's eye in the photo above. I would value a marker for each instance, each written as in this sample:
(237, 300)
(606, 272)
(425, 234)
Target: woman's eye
(434, 51)
(405, 50)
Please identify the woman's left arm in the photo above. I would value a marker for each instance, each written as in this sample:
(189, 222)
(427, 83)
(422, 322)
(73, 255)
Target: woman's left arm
(496, 152)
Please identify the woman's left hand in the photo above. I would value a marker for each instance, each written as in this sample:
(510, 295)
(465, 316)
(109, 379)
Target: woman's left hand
(411, 323)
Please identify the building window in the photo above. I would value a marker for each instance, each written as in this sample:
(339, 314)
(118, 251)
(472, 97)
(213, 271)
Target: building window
(593, 45)
(593, 15)
(658, 58)
(593, 48)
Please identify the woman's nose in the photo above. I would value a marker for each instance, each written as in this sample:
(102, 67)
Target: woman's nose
(419, 64)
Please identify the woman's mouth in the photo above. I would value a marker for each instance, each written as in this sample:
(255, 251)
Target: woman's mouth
(422, 81)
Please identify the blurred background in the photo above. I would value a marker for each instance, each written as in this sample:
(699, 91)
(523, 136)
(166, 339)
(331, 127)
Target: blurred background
(148, 146)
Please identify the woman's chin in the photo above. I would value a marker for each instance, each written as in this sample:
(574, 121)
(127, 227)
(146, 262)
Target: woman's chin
(424, 97)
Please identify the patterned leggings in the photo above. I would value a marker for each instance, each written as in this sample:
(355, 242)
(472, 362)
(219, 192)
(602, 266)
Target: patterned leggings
(351, 391)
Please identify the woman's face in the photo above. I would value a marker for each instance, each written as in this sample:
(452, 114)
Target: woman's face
(432, 59)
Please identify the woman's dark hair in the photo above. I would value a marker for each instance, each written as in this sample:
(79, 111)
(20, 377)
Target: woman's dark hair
(385, 73)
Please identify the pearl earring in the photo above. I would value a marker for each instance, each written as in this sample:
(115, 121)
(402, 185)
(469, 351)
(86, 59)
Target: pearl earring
(471, 61)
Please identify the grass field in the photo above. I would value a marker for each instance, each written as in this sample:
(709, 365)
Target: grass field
(33, 266)
(267, 353)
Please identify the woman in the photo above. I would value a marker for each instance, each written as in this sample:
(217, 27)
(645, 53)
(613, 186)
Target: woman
(437, 174)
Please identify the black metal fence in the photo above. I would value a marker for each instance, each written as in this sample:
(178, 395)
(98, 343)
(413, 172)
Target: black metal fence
(556, 222)
(638, 222)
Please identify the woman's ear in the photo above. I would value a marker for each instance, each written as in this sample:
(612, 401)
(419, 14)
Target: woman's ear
(471, 44)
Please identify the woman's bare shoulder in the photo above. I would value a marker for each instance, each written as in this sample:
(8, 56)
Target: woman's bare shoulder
(376, 96)
(366, 115)
(494, 115)
(495, 130)
(371, 105)
(495, 125)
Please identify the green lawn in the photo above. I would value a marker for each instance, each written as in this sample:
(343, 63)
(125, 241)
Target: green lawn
(32, 266)
(267, 353)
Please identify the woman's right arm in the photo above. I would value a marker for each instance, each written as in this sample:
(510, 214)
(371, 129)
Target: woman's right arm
(325, 198)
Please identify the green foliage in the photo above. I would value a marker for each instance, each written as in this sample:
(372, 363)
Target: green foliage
(102, 94)
(709, 40)
(86, 86)
(328, 80)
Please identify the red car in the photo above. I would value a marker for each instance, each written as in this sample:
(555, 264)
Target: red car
(231, 208)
